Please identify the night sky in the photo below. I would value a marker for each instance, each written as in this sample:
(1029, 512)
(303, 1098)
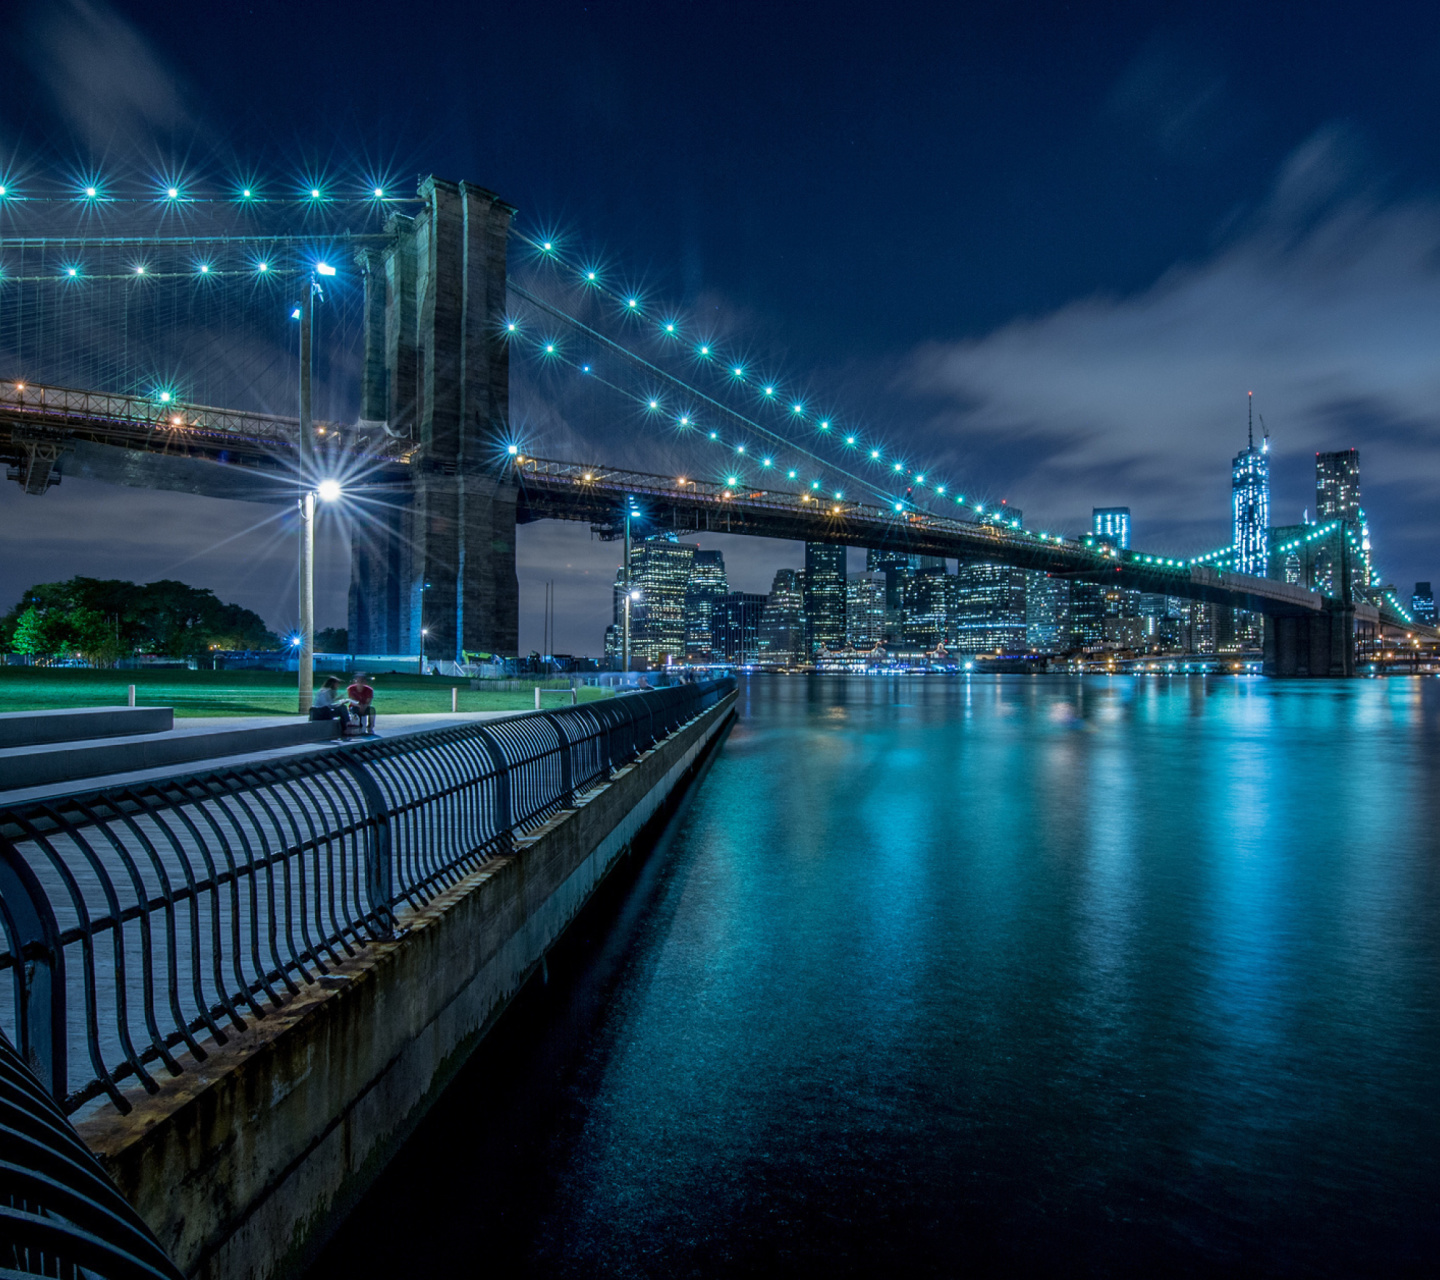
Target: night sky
(1045, 249)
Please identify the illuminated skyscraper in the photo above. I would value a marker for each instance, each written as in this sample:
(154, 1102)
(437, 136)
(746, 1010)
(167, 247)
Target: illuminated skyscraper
(824, 596)
(735, 626)
(1250, 502)
(1113, 524)
(782, 625)
(1337, 486)
(660, 569)
(990, 600)
(865, 609)
(707, 585)
(1422, 604)
(1047, 613)
(924, 605)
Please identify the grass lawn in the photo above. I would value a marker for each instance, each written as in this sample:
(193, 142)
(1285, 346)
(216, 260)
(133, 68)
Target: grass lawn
(244, 693)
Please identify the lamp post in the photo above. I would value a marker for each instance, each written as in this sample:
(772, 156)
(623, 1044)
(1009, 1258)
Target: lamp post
(424, 631)
(326, 491)
(630, 512)
(329, 490)
(629, 596)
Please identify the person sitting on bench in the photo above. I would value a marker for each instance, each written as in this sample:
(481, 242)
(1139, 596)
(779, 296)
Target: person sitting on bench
(329, 705)
(362, 697)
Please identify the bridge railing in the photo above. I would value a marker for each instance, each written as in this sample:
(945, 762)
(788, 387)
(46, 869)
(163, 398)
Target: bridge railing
(143, 921)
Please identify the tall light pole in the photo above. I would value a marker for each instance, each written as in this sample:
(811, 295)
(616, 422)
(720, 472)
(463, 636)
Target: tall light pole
(305, 313)
(629, 596)
(424, 631)
(625, 638)
(629, 512)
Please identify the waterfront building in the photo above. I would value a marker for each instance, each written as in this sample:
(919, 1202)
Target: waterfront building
(707, 585)
(865, 610)
(1422, 604)
(824, 596)
(1204, 626)
(782, 626)
(924, 614)
(1047, 613)
(660, 570)
(735, 627)
(1112, 524)
(1087, 614)
(990, 603)
(991, 609)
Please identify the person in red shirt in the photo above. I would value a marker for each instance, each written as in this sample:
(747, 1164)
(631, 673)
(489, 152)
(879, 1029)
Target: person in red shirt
(362, 699)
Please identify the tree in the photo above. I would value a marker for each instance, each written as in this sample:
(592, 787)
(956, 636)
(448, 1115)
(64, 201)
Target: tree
(96, 637)
(105, 619)
(34, 633)
(332, 640)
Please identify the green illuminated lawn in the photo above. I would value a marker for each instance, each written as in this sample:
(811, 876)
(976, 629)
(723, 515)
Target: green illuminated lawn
(243, 693)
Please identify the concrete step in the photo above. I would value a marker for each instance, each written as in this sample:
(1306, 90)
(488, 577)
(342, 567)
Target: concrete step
(38, 766)
(34, 728)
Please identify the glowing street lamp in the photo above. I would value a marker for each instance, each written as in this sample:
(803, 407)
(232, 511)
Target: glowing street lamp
(326, 491)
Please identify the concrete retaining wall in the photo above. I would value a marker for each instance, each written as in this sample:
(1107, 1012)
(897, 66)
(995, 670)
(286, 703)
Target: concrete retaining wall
(244, 1165)
(33, 728)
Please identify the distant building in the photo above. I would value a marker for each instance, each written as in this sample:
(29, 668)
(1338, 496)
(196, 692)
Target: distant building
(1422, 604)
(707, 585)
(1113, 525)
(735, 626)
(1047, 613)
(895, 565)
(824, 596)
(1205, 626)
(1337, 486)
(1250, 505)
(923, 605)
(1087, 614)
(782, 626)
(660, 570)
(991, 609)
(865, 610)
(989, 604)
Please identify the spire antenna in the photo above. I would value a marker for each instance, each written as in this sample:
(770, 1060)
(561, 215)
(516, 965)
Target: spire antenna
(1250, 400)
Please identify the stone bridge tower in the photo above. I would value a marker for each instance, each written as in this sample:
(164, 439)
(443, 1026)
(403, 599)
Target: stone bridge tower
(439, 551)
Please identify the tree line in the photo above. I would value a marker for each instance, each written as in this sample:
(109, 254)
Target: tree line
(102, 620)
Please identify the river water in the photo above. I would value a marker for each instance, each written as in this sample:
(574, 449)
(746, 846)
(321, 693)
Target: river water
(942, 976)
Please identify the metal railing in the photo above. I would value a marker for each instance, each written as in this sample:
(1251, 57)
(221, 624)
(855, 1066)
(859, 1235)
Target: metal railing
(51, 406)
(141, 920)
(60, 1215)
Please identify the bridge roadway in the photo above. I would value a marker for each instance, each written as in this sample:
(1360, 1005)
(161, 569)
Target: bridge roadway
(552, 490)
(131, 439)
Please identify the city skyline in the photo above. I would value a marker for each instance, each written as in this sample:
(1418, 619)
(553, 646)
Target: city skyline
(1114, 342)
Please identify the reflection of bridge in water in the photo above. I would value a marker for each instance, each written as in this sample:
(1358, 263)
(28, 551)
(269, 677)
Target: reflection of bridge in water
(446, 495)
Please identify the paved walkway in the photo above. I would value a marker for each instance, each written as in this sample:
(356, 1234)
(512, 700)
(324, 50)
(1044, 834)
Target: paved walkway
(388, 726)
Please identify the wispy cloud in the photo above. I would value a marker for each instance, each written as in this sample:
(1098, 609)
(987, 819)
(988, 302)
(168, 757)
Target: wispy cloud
(105, 80)
(1325, 303)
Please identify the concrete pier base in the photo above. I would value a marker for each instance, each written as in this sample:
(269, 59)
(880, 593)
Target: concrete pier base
(244, 1164)
(1311, 644)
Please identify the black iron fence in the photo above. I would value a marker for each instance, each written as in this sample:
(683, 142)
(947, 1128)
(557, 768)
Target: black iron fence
(141, 920)
(60, 1215)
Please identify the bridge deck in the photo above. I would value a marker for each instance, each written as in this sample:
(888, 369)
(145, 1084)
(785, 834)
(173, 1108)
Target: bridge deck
(575, 491)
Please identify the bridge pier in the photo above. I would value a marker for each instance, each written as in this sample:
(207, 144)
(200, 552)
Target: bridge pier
(1311, 644)
(439, 553)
